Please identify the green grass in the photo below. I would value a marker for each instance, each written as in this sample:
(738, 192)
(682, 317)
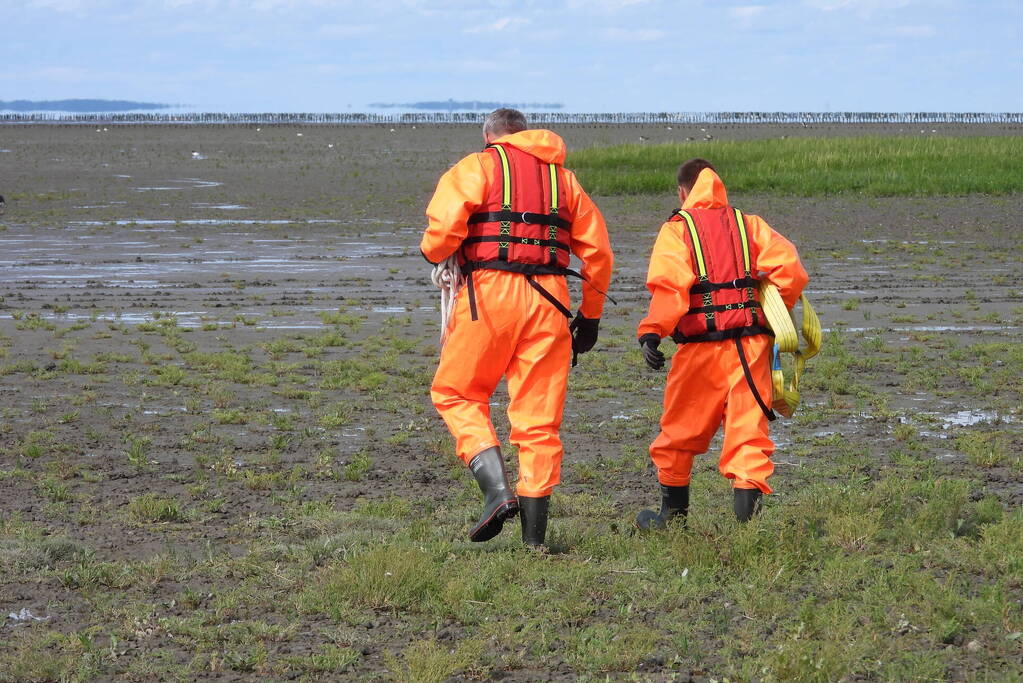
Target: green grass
(152, 508)
(873, 166)
(865, 579)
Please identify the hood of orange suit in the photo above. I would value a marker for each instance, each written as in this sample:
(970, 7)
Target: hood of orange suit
(546, 146)
(708, 192)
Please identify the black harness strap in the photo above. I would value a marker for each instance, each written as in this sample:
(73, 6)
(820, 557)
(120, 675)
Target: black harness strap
(517, 240)
(527, 269)
(516, 267)
(550, 297)
(472, 297)
(524, 217)
(739, 283)
(721, 335)
(717, 308)
(768, 413)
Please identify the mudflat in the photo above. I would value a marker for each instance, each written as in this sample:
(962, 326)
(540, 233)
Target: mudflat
(218, 456)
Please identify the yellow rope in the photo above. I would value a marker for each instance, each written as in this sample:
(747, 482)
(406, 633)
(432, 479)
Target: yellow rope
(779, 319)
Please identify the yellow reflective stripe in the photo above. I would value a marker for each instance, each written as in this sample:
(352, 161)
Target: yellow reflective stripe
(697, 247)
(741, 222)
(505, 177)
(554, 187)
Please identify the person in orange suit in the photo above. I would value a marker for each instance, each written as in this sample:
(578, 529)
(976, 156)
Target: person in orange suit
(513, 216)
(704, 269)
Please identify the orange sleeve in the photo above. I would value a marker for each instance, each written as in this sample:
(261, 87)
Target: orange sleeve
(777, 260)
(592, 245)
(669, 278)
(460, 191)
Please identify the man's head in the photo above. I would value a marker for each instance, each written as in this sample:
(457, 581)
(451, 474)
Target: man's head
(503, 122)
(687, 175)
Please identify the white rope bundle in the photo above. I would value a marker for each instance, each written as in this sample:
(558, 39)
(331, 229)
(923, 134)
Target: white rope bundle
(448, 277)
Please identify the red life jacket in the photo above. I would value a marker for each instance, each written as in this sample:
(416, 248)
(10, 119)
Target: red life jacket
(723, 303)
(524, 225)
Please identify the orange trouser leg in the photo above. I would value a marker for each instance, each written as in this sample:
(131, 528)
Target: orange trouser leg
(472, 362)
(537, 383)
(522, 334)
(705, 385)
(694, 399)
(747, 448)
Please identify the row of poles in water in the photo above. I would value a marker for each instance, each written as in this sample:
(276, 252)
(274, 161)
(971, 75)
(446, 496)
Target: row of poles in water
(752, 117)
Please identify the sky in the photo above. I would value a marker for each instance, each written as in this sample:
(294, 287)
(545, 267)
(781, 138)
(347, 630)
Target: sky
(592, 56)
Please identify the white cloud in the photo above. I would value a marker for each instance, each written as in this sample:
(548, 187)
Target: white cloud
(745, 15)
(610, 5)
(865, 7)
(502, 24)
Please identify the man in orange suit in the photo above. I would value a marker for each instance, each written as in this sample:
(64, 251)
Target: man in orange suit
(704, 270)
(512, 215)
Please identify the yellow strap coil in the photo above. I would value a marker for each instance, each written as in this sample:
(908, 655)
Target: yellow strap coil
(786, 340)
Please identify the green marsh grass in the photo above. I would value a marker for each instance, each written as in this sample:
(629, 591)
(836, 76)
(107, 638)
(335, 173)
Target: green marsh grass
(873, 166)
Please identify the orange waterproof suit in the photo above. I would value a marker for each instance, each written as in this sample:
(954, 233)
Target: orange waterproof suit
(516, 331)
(706, 383)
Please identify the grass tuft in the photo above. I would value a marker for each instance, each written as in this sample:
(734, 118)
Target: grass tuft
(874, 166)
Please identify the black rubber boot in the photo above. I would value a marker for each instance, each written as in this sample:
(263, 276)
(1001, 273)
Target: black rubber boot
(499, 503)
(674, 503)
(746, 503)
(534, 520)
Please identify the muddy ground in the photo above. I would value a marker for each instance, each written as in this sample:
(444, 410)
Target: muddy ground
(239, 318)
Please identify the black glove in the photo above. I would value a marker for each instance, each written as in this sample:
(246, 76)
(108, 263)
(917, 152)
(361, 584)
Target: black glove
(654, 358)
(584, 335)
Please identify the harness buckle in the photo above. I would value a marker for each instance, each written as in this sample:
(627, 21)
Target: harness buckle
(526, 221)
(735, 284)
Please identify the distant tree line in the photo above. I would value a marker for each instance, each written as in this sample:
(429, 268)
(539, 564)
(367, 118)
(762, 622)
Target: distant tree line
(750, 117)
(475, 105)
(79, 106)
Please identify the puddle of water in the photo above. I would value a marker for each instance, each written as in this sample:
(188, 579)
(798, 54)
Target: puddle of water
(167, 411)
(883, 241)
(966, 418)
(223, 207)
(24, 615)
(928, 328)
(818, 292)
(960, 418)
(202, 221)
(183, 184)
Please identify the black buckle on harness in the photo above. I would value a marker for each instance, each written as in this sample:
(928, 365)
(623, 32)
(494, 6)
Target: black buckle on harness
(526, 220)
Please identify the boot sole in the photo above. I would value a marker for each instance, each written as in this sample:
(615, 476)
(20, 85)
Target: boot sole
(492, 525)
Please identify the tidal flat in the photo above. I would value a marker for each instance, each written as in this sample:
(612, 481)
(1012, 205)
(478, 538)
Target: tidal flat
(218, 456)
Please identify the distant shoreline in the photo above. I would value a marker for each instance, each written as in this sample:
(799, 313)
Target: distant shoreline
(537, 118)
